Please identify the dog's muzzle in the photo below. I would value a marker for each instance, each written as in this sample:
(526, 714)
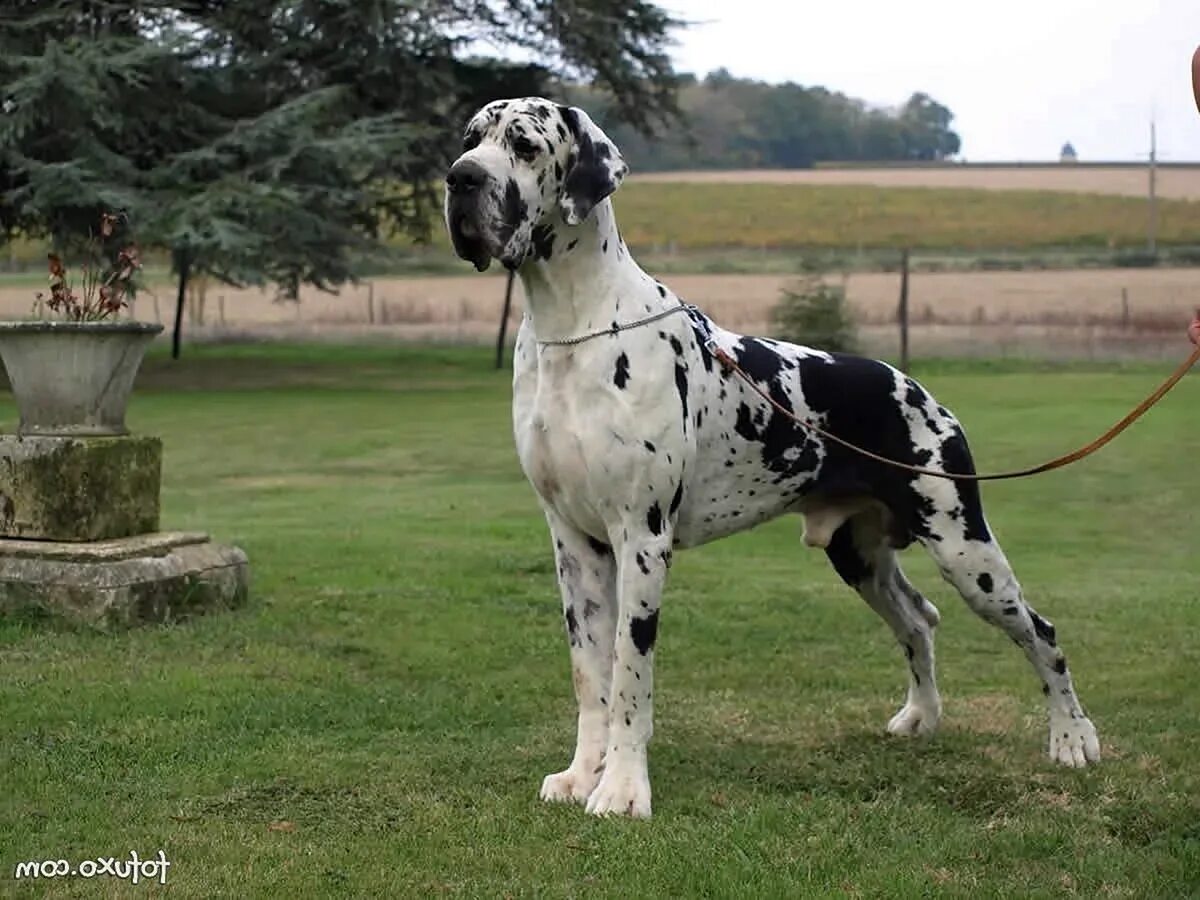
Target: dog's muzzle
(465, 183)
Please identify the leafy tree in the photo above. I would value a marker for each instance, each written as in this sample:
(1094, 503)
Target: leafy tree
(281, 140)
(926, 125)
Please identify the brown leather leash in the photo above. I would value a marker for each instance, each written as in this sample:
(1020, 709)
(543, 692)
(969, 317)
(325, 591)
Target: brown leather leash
(1193, 334)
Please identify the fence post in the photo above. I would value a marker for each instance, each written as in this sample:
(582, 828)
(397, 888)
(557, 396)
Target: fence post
(504, 320)
(902, 313)
(183, 263)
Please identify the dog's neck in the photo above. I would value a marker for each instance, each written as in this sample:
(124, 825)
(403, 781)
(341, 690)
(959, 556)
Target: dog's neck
(587, 283)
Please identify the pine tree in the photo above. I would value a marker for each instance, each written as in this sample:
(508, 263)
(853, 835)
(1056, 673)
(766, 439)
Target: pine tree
(279, 141)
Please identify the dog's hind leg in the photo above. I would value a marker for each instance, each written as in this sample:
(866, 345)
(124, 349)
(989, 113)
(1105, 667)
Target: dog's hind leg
(956, 534)
(979, 571)
(587, 582)
(863, 558)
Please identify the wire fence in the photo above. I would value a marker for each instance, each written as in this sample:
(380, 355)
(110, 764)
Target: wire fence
(1093, 313)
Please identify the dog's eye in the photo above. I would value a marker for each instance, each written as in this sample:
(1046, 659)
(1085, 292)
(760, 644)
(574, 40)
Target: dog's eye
(470, 141)
(525, 148)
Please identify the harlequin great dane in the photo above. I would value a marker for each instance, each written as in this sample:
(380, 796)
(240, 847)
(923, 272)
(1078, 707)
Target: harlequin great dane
(638, 442)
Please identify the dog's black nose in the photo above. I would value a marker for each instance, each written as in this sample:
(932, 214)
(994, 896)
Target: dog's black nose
(465, 177)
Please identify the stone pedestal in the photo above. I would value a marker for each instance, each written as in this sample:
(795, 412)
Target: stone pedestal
(79, 540)
(121, 582)
(78, 488)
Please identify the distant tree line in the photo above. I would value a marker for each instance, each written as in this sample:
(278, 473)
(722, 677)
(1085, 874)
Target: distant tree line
(738, 123)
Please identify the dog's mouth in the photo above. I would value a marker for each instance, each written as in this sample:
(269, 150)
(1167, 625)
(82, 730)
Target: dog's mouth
(469, 242)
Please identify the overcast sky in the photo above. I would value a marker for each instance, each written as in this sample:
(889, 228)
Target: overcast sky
(1021, 76)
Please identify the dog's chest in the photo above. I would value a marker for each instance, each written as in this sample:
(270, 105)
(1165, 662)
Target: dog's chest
(571, 438)
(551, 449)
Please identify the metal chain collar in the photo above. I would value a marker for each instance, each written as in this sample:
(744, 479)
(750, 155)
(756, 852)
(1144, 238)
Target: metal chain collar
(615, 328)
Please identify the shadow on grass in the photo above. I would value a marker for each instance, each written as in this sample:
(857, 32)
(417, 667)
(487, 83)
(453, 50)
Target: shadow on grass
(979, 776)
(858, 766)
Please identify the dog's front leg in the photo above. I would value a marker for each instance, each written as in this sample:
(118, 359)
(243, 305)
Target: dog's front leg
(587, 581)
(624, 788)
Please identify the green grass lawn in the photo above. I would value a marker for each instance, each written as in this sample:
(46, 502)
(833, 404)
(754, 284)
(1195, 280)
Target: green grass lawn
(377, 722)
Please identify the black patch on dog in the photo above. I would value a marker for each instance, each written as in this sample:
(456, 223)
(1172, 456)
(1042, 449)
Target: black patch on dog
(846, 559)
(857, 399)
(598, 547)
(512, 212)
(985, 583)
(649, 446)
(914, 396)
(588, 180)
(644, 632)
(787, 450)
(1060, 665)
(621, 375)
(681, 385)
(956, 457)
(654, 518)
(543, 242)
(641, 563)
(1043, 628)
(662, 291)
(759, 359)
(744, 425)
(910, 653)
(572, 628)
(676, 500)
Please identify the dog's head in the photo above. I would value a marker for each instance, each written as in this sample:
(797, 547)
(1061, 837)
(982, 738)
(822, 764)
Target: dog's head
(528, 166)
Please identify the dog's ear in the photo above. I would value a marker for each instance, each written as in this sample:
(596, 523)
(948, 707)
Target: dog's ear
(594, 169)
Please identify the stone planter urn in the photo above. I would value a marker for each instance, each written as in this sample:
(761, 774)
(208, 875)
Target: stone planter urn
(79, 495)
(73, 378)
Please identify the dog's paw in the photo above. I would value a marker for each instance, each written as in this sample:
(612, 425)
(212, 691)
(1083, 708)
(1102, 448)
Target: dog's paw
(572, 785)
(624, 790)
(915, 719)
(1073, 742)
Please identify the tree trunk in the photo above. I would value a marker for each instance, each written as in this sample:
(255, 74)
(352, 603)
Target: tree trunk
(183, 261)
(504, 320)
(902, 314)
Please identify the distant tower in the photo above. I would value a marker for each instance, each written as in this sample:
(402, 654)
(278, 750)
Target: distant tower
(1067, 154)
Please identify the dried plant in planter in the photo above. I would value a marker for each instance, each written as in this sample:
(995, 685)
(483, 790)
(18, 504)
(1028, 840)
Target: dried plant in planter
(111, 263)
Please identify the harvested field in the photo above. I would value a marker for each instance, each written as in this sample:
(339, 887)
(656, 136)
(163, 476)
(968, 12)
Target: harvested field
(1103, 313)
(805, 217)
(1181, 183)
